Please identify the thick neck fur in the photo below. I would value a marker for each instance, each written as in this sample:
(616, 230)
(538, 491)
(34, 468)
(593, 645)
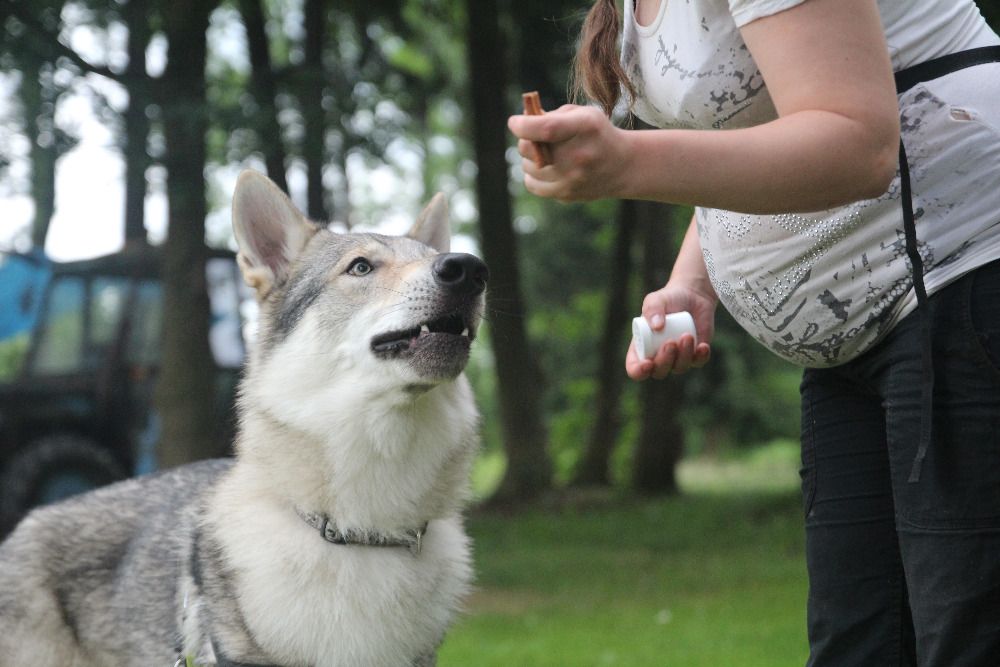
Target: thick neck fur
(383, 462)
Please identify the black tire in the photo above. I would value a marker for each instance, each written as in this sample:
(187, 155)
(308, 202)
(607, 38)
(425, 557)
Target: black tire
(51, 468)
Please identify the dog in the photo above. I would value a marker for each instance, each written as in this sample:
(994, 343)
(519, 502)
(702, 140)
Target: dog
(334, 536)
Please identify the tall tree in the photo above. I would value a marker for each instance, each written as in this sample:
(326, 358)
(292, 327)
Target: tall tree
(186, 391)
(314, 142)
(544, 46)
(265, 90)
(593, 468)
(136, 17)
(30, 41)
(661, 437)
(44, 58)
(529, 470)
(38, 97)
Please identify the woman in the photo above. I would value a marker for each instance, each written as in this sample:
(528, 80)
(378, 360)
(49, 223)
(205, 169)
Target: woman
(781, 123)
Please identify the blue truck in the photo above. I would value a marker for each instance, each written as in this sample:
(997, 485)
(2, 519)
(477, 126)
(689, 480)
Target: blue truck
(79, 359)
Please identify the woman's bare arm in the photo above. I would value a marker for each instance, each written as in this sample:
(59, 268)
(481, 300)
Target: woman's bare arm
(826, 66)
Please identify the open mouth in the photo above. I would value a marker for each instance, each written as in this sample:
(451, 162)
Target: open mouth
(394, 343)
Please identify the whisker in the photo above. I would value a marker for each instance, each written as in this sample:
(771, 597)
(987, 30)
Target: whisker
(387, 289)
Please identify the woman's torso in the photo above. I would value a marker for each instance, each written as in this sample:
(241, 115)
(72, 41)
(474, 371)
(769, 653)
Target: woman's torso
(821, 288)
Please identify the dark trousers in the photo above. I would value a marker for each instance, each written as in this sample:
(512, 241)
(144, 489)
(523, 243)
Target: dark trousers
(908, 573)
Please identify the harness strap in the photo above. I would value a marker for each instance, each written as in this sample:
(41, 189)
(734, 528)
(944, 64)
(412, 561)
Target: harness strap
(906, 79)
(197, 576)
(937, 67)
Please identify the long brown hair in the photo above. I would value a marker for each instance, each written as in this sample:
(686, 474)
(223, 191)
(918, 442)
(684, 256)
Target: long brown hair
(597, 70)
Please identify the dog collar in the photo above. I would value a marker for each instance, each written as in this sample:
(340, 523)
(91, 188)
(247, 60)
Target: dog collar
(328, 531)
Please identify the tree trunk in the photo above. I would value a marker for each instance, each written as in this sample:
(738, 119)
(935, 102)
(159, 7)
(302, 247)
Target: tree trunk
(311, 96)
(38, 96)
(265, 91)
(529, 471)
(185, 393)
(136, 123)
(661, 438)
(544, 48)
(593, 468)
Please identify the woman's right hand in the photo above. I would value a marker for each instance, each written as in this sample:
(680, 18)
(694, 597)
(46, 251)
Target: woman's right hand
(589, 154)
(675, 356)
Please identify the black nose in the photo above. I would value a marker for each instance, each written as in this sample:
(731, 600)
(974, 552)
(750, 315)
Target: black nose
(461, 272)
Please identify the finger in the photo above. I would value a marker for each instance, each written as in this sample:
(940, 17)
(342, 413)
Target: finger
(527, 149)
(636, 368)
(639, 370)
(665, 359)
(685, 353)
(653, 313)
(552, 127)
(537, 186)
(702, 353)
(512, 123)
(564, 108)
(654, 310)
(531, 168)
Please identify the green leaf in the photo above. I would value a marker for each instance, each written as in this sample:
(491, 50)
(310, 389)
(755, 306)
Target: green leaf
(410, 60)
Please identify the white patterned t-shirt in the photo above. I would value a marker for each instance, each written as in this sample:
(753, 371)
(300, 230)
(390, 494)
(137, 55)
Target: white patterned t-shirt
(821, 288)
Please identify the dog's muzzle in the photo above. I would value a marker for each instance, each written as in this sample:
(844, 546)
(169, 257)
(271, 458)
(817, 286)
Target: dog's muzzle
(439, 346)
(461, 273)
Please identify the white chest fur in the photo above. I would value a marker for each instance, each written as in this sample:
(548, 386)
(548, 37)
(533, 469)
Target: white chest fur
(306, 601)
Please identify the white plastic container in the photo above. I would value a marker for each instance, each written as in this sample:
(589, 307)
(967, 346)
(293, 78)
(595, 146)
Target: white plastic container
(647, 341)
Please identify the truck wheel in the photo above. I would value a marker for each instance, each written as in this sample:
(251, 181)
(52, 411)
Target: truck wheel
(50, 469)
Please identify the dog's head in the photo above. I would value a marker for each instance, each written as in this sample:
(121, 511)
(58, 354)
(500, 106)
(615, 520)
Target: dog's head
(356, 308)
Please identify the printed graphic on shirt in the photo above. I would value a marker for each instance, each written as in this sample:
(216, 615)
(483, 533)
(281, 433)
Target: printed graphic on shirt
(702, 78)
(821, 288)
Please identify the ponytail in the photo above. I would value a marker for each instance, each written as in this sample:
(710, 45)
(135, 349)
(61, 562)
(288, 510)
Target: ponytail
(598, 73)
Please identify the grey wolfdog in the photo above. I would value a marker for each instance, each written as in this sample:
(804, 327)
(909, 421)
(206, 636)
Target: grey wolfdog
(334, 537)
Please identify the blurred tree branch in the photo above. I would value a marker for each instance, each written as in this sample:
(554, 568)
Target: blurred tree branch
(43, 42)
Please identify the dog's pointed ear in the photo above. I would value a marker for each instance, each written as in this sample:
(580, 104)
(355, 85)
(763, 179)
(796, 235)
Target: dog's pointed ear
(432, 227)
(270, 231)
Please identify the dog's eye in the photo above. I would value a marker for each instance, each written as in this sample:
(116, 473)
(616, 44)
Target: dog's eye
(360, 267)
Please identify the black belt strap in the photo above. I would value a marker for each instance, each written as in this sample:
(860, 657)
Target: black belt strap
(926, 341)
(938, 67)
(906, 79)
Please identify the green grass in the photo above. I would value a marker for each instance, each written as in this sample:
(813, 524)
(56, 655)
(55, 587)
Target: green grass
(714, 577)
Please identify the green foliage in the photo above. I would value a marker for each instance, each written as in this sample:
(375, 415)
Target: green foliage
(395, 97)
(565, 249)
(570, 425)
(482, 376)
(745, 396)
(409, 60)
(565, 260)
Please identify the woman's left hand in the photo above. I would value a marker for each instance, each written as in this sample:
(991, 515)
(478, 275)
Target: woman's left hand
(588, 153)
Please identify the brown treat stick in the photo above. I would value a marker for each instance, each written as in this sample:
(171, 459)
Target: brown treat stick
(533, 107)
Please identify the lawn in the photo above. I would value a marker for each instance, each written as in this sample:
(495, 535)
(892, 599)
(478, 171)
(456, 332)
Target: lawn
(715, 577)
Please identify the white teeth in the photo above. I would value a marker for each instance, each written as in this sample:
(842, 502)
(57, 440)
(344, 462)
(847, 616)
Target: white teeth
(424, 329)
(465, 332)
